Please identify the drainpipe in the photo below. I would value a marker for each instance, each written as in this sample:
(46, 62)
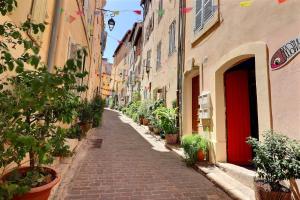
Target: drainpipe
(54, 34)
(180, 62)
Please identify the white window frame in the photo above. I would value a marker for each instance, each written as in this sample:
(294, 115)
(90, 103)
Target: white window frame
(202, 23)
(172, 38)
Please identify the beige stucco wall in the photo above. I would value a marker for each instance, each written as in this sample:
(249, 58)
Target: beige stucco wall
(167, 73)
(238, 33)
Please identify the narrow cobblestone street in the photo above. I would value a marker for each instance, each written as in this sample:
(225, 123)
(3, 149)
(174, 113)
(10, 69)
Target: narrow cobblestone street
(125, 167)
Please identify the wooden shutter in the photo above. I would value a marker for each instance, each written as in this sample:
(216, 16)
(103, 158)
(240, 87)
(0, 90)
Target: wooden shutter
(199, 10)
(208, 10)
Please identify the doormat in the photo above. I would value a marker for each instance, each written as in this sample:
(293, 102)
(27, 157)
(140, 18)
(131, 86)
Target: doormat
(95, 143)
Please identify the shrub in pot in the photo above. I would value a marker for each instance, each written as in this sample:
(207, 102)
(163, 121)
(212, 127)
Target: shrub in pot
(195, 148)
(167, 122)
(143, 112)
(85, 115)
(277, 159)
(97, 107)
(33, 103)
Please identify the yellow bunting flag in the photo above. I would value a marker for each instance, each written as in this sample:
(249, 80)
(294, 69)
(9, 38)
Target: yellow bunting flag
(246, 3)
(116, 12)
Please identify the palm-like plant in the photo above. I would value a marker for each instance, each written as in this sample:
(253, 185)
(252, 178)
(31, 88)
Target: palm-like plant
(167, 119)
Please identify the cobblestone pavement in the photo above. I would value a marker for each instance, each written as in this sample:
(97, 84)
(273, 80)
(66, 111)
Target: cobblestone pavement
(124, 166)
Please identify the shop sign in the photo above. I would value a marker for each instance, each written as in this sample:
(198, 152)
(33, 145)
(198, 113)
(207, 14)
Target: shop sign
(285, 54)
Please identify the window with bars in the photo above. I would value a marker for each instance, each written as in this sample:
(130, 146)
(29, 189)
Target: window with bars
(172, 38)
(204, 11)
(158, 56)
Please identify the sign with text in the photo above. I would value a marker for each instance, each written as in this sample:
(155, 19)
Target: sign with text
(285, 54)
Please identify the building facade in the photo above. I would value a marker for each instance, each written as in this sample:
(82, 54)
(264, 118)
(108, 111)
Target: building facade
(120, 70)
(159, 54)
(135, 61)
(106, 72)
(234, 84)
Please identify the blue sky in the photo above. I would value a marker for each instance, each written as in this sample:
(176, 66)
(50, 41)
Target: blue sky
(124, 21)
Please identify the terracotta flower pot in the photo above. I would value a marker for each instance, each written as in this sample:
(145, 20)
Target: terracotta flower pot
(85, 126)
(145, 121)
(261, 193)
(141, 120)
(151, 128)
(171, 138)
(38, 193)
(201, 155)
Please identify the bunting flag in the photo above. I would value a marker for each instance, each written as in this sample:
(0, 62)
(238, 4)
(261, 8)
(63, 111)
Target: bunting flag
(116, 12)
(138, 12)
(281, 1)
(80, 13)
(160, 12)
(246, 3)
(71, 19)
(186, 10)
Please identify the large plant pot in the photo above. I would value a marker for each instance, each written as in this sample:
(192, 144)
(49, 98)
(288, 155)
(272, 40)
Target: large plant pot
(201, 155)
(85, 126)
(262, 194)
(171, 138)
(38, 193)
(145, 121)
(151, 128)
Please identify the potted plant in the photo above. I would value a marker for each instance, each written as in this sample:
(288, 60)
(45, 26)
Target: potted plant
(277, 159)
(195, 148)
(85, 116)
(33, 104)
(143, 112)
(97, 108)
(167, 121)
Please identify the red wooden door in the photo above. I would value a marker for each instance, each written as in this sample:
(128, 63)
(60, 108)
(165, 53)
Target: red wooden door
(237, 117)
(195, 103)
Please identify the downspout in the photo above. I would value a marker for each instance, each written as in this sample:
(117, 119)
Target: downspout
(180, 62)
(54, 34)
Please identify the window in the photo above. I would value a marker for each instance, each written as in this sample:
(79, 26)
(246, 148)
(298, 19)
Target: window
(148, 61)
(158, 56)
(204, 11)
(160, 10)
(172, 36)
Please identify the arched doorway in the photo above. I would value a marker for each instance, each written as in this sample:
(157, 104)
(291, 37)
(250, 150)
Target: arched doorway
(241, 111)
(257, 50)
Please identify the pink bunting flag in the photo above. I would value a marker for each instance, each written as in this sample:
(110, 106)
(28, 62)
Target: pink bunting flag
(79, 12)
(281, 1)
(71, 19)
(138, 12)
(186, 10)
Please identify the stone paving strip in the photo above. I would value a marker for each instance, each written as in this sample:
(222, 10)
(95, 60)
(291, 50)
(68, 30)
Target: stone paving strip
(126, 167)
(230, 185)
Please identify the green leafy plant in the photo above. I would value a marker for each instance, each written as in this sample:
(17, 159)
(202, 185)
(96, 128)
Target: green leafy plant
(191, 144)
(97, 107)
(167, 119)
(277, 158)
(85, 112)
(33, 104)
(58, 142)
(74, 132)
(144, 109)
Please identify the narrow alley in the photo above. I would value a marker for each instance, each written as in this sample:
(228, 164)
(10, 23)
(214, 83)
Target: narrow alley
(126, 167)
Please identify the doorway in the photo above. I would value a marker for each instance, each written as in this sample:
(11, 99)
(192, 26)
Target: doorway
(195, 103)
(241, 111)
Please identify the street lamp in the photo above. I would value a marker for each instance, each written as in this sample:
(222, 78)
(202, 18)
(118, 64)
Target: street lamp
(111, 24)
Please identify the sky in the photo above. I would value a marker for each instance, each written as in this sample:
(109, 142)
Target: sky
(124, 22)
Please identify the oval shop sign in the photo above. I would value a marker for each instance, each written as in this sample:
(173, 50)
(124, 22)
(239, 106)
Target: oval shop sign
(285, 54)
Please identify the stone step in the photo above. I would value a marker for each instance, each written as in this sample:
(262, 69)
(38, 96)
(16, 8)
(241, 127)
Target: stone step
(243, 175)
(233, 187)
